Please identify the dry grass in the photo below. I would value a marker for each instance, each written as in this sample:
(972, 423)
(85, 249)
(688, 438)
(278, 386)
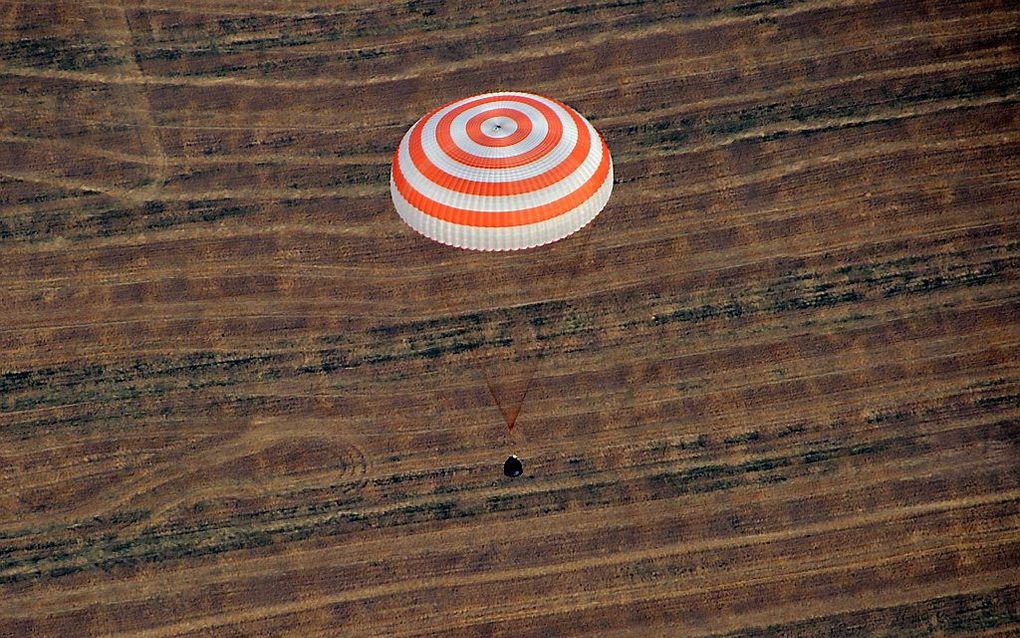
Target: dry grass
(775, 384)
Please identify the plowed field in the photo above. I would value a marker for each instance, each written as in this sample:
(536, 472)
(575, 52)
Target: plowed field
(772, 390)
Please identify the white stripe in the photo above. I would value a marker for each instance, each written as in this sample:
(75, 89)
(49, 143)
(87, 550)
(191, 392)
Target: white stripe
(458, 131)
(447, 164)
(509, 238)
(504, 203)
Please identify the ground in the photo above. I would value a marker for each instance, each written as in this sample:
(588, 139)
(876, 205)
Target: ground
(774, 387)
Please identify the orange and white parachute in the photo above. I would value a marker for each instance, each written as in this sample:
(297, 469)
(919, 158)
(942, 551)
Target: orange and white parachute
(501, 171)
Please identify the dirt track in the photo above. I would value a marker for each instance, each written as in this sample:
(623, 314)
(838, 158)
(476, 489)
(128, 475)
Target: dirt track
(775, 388)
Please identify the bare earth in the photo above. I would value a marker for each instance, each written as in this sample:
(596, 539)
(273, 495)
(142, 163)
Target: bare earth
(775, 387)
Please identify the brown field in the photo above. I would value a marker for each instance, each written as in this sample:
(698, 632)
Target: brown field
(775, 387)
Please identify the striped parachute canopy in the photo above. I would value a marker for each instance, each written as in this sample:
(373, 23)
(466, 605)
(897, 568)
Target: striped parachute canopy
(501, 171)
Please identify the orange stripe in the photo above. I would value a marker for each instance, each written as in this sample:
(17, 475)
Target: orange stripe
(448, 146)
(474, 128)
(522, 217)
(516, 187)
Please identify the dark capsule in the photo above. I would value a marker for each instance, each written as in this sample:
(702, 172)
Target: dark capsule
(513, 467)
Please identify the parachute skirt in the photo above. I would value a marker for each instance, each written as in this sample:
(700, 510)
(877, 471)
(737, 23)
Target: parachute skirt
(505, 237)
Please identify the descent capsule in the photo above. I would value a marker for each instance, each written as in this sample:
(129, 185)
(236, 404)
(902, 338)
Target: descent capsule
(513, 467)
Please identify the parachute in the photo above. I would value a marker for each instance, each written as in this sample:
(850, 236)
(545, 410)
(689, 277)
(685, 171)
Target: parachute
(501, 171)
